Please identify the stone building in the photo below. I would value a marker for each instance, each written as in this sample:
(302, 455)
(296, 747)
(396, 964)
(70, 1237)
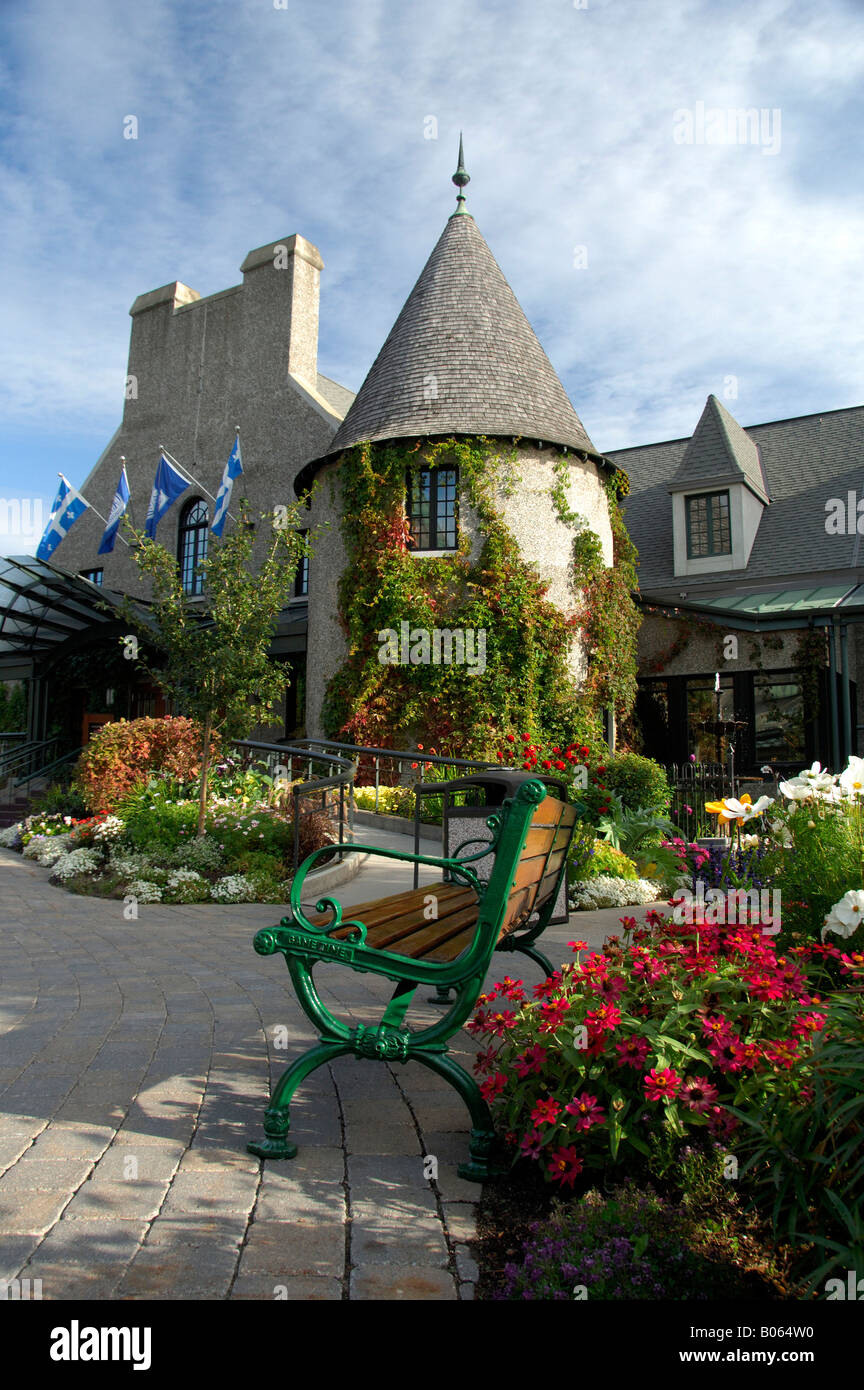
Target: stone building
(751, 580)
(461, 359)
(752, 589)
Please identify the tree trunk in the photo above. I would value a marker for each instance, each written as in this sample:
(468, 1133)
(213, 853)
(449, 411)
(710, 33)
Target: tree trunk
(205, 774)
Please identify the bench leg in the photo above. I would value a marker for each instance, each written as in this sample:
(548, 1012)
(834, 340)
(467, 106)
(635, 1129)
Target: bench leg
(538, 956)
(277, 1120)
(481, 1163)
(441, 995)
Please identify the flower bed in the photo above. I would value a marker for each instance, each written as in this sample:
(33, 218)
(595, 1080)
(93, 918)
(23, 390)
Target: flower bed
(146, 847)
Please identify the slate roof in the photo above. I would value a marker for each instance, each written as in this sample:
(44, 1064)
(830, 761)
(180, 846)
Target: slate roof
(719, 452)
(806, 461)
(462, 358)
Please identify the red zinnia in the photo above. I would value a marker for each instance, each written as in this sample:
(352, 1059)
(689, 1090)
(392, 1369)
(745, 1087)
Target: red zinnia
(661, 1085)
(546, 1112)
(586, 1111)
(565, 1167)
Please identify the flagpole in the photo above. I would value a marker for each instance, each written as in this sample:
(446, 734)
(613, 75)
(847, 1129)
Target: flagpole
(89, 504)
(186, 474)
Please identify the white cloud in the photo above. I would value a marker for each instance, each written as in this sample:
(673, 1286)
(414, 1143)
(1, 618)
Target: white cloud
(255, 122)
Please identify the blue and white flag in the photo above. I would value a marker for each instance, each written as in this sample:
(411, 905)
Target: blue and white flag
(233, 469)
(68, 506)
(118, 507)
(167, 487)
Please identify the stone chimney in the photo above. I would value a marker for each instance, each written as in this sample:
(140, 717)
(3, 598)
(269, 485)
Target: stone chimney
(299, 265)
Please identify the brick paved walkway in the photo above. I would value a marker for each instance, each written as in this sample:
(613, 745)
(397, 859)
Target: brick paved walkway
(132, 1072)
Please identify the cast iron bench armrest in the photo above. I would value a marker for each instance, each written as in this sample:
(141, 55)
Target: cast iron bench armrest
(456, 867)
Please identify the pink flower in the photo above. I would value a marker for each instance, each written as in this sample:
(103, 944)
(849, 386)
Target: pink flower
(661, 1085)
(586, 1111)
(698, 1094)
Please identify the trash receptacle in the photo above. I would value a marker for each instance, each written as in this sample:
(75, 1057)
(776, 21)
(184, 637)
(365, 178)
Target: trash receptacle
(462, 823)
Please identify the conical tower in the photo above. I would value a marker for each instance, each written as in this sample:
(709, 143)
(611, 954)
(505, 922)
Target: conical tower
(463, 360)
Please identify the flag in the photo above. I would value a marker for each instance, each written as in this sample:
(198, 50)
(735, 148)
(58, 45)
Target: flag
(167, 487)
(233, 469)
(118, 507)
(68, 506)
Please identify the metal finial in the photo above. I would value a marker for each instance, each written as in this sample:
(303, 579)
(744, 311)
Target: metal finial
(460, 178)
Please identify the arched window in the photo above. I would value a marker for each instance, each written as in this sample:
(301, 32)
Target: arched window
(192, 544)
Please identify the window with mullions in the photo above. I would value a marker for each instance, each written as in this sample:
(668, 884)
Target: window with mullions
(708, 530)
(95, 576)
(432, 508)
(192, 545)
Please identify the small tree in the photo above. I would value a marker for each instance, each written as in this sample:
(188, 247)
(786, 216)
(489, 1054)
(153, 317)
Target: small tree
(216, 668)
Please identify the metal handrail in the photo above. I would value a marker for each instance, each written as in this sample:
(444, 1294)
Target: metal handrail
(342, 778)
(399, 756)
(44, 770)
(24, 754)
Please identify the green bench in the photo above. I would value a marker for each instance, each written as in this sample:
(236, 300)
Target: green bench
(443, 934)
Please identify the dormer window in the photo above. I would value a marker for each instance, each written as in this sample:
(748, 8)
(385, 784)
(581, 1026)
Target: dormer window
(708, 528)
(431, 508)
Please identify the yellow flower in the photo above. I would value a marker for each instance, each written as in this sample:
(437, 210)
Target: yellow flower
(723, 809)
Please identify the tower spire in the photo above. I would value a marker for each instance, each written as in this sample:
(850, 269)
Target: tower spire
(460, 178)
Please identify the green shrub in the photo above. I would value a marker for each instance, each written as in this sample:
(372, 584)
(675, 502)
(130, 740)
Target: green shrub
(606, 859)
(125, 755)
(638, 781)
(804, 1150)
(160, 824)
(392, 801)
(61, 799)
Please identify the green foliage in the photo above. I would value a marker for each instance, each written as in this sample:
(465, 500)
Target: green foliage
(215, 648)
(13, 707)
(638, 781)
(159, 824)
(526, 681)
(607, 859)
(804, 1150)
(60, 798)
(125, 755)
(392, 801)
(814, 857)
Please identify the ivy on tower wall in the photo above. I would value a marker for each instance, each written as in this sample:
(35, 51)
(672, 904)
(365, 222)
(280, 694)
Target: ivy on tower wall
(486, 585)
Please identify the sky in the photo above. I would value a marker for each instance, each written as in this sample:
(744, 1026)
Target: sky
(661, 249)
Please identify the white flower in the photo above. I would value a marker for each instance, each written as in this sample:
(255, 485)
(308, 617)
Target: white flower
(606, 891)
(78, 861)
(846, 915)
(852, 777)
(143, 891)
(233, 888)
(743, 811)
(796, 789)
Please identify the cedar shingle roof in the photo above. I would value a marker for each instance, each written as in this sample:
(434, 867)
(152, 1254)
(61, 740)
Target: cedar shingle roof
(720, 451)
(462, 358)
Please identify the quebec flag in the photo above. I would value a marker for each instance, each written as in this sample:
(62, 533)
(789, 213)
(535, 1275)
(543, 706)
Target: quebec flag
(233, 469)
(68, 506)
(167, 487)
(118, 507)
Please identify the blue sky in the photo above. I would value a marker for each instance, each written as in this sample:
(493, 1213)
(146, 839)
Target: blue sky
(724, 264)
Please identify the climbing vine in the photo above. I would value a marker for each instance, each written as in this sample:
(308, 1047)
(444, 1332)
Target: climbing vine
(525, 680)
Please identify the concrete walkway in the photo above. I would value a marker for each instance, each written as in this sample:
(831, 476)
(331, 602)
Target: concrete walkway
(133, 1069)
